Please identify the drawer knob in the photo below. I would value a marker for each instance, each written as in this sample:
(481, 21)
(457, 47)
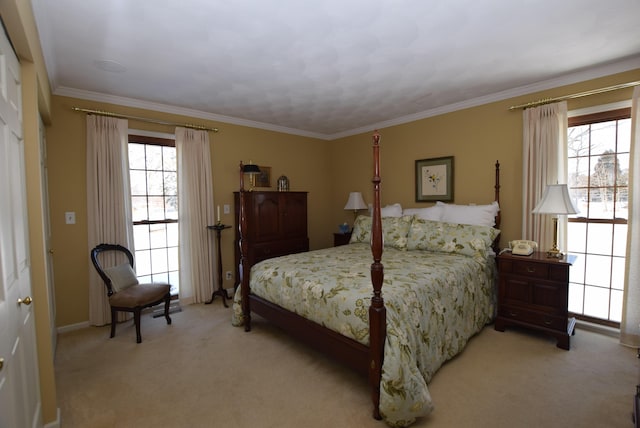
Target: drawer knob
(513, 314)
(531, 269)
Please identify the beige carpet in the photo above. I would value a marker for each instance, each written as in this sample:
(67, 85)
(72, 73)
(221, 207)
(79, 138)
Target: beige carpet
(202, 372)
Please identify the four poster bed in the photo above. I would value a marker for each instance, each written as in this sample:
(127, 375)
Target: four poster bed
(439, 282)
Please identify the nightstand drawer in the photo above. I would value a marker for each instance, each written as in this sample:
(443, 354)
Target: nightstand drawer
(530, 269)
(537, 294)
(534, 318)
(533, 291)
(341, 239)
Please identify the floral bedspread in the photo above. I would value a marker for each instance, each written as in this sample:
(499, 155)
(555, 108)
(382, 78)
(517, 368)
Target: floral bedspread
(435, 302)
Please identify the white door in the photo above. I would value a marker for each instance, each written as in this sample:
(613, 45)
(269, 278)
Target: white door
(19, 379)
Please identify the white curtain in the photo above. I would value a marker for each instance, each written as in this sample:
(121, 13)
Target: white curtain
(630, 325)
(108, 201)
(195, 213)
(544, 161)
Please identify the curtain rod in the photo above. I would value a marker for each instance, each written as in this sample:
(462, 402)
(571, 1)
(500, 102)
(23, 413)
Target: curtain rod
(143, 119)
(578, 95)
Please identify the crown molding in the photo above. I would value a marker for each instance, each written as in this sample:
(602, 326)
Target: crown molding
(181, 111)
(628, 64)
(568, 79)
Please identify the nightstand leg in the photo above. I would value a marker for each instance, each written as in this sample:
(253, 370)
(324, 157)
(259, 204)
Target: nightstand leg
(563, 342)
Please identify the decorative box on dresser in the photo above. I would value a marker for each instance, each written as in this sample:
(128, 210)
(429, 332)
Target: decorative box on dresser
(533, 292)
(276, 225)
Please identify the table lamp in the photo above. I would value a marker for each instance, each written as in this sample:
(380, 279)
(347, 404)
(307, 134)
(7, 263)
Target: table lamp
(555, 201)
(251, 170)
(355, 203)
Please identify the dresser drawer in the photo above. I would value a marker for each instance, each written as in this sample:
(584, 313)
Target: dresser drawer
(279, 248)
(530, 317)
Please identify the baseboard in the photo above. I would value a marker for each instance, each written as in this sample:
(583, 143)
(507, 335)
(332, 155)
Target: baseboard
(72, 327)
(598, 328)
(158, 311)
(56, 423)
(174, 307)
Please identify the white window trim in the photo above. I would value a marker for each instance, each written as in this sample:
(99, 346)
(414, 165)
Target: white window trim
(599, 108)
(158, 134)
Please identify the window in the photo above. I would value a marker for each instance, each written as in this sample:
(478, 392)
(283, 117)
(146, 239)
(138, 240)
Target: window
(154, 202)
(598, 154)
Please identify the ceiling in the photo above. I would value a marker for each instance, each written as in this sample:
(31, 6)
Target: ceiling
(328, 68)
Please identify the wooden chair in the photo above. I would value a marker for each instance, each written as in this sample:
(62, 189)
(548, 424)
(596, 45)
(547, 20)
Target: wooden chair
(125, 293)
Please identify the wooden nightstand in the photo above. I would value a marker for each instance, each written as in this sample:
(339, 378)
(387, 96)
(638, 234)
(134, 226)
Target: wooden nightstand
(341, 238)
(533, 292)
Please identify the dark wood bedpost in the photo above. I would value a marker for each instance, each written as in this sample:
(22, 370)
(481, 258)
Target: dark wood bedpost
(497, 192)
(496, 197)
(243, 269)
(377, 311)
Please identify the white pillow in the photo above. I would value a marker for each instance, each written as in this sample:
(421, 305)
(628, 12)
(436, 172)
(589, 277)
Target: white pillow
(394, 210)
(433, 213)
(121, 276)
(483, 215)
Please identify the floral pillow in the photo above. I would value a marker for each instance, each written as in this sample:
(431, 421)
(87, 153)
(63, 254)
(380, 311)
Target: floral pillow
(394, 231)
(470, 240)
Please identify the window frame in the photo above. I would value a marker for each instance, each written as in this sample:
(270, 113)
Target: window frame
(590, 119)
(134, 138)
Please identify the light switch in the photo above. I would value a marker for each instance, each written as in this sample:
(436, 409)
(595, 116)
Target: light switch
(227, 210)
(70, 217)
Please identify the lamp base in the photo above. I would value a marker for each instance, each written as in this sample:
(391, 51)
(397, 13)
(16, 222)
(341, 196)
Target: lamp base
(555, 253)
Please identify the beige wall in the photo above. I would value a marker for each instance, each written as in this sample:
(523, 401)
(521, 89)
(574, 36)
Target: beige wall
(476, 137)
(328, 170)
(304, 160)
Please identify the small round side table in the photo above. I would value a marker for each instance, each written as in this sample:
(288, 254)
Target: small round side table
(219, 227)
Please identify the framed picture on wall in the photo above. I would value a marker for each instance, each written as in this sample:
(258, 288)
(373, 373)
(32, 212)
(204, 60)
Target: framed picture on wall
(263, 179)
(434, 179)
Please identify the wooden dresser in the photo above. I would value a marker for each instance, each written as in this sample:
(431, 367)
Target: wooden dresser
(276, 225)
(533, 292)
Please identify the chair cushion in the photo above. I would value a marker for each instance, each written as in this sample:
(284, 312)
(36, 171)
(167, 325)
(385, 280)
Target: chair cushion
(121, 276)
(139, 295)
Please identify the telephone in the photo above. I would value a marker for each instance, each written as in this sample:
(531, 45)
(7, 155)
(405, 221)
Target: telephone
(523, 247)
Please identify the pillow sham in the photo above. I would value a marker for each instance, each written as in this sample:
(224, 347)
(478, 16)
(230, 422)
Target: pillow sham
(394, 210)
(121, 276)
(394, 231)
(484, 215)
(429, 213)
(470, 240)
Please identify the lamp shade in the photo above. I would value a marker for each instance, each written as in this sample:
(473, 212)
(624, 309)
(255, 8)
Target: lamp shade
(355, 202)
(250, 169)
(556, 200)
